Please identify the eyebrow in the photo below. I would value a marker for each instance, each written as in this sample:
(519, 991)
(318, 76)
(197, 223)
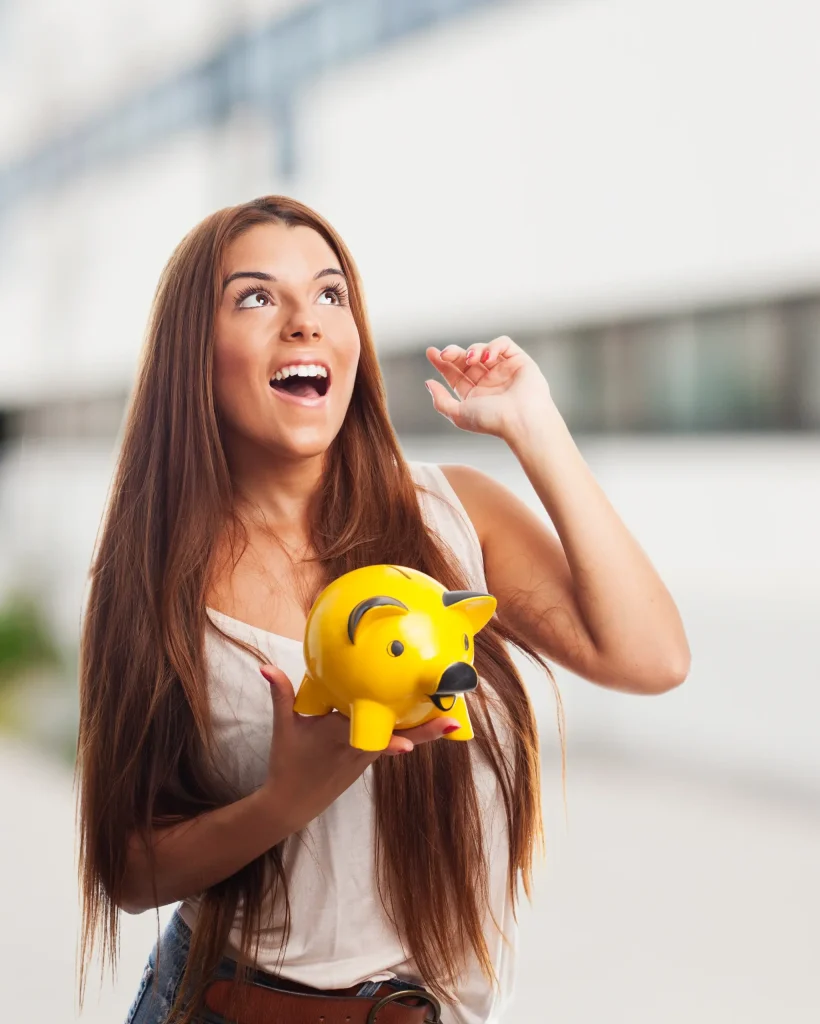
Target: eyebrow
(259, 275)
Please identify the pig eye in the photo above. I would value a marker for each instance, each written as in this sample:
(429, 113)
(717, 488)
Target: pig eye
(466, 642)
(396, 648)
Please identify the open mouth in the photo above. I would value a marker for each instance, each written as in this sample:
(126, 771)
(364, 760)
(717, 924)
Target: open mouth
(302, 382)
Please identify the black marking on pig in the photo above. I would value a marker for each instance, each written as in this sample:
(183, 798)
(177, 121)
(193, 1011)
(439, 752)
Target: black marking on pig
(451, 597)
(364, 606)
(457, 678)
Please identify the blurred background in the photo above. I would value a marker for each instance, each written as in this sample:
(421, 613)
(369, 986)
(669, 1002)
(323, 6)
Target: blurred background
(628, 188)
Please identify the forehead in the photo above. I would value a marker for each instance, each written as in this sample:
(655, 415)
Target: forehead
(279, 249)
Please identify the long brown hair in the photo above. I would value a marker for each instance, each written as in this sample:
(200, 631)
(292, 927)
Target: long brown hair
(145, 735)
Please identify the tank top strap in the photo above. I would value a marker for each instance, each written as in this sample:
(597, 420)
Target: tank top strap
(445, 515)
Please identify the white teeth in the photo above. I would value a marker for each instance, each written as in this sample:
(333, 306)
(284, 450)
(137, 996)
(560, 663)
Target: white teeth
(300, 370)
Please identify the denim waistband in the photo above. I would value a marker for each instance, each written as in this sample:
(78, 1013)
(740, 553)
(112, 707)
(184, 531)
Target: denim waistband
(167, 962)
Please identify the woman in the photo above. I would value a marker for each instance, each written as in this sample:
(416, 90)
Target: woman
(259, 463)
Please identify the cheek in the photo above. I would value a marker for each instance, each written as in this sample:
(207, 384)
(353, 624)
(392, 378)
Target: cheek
(352, 353)
(232, 372)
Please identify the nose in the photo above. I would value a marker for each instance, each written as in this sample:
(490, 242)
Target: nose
(302, 325)
(457, 678)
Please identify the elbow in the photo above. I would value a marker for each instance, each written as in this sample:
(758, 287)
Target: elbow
(670, 676)
(132, 906)
(130, 901)
(649, 679)
(133, 895)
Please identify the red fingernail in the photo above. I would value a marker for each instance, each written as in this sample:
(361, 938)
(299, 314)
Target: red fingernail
(485, 355)
(449, 729)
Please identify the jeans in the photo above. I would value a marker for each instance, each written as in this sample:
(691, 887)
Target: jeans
(158, 988)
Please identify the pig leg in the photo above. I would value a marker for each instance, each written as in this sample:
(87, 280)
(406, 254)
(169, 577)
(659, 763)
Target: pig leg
(460, 713)
(311, 699)
(371, 725)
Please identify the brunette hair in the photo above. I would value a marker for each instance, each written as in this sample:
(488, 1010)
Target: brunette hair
(145, 736)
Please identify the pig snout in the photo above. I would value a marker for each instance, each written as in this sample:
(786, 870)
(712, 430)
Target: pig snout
(457, 678)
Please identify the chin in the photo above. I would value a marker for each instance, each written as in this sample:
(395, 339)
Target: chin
(308, 446)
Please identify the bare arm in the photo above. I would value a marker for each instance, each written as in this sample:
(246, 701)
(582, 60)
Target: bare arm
(193, 855)
(311, 764)
(589, 598)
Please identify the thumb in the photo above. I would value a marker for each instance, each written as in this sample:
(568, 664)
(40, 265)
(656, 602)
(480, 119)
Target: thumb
(443, 400)
(281, 689)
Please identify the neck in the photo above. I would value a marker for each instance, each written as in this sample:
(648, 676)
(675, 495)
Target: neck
(274, 491)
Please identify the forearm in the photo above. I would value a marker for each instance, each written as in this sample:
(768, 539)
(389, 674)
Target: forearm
(628, 611)
(193, 855)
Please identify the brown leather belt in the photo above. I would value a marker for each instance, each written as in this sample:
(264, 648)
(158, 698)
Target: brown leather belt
(290, 1003)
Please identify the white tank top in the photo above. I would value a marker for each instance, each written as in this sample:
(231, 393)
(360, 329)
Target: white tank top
(340, 935)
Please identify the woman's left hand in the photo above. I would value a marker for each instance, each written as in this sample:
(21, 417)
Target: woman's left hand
(500, 387)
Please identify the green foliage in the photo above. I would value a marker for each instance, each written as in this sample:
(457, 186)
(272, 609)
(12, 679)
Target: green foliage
(25, 639)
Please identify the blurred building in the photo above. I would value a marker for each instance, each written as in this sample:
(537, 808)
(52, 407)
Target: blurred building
(627, 188)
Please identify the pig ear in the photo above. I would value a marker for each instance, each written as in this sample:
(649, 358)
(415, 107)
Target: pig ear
(476, 606)
(378, 607)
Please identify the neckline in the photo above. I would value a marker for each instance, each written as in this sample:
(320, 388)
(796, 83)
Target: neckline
(256, 629)
(414, 465)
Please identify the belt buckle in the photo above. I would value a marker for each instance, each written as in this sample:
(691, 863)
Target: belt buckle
(406, 993)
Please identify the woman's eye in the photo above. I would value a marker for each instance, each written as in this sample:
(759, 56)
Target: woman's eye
(395, 648)
(335, 293)
(254, 300)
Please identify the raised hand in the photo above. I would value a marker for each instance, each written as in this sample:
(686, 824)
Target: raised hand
(497, 386)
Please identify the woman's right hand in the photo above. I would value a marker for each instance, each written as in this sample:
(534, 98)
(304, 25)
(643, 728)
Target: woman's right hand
(311, 760)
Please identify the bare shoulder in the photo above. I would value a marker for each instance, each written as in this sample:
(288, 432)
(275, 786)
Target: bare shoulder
(482, 497)
(515, 540)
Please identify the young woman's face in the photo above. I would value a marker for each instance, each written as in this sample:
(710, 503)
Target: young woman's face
(286, 344)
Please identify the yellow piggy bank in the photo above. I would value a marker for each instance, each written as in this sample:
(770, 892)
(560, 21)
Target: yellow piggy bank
(391, 648)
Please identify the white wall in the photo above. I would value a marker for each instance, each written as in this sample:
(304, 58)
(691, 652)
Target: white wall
(730, 524)
(64, 61)
(561, 159)
(526, 164)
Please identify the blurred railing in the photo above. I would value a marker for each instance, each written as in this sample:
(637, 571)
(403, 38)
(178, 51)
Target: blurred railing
(747, 367)
(743, 368)
(261, 68)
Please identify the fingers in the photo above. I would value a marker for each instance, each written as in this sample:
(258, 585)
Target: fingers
(281, 689)
(451, 364)
(443, 401)
(403, 740)
(456, 363)
(398, 745)
(464, 369)
(432, 730)
(486, 356)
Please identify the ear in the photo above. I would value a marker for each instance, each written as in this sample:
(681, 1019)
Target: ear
(375, 608)
(476, 606)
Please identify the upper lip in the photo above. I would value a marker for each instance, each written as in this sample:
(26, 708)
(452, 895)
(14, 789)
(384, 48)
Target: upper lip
(301, 361)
